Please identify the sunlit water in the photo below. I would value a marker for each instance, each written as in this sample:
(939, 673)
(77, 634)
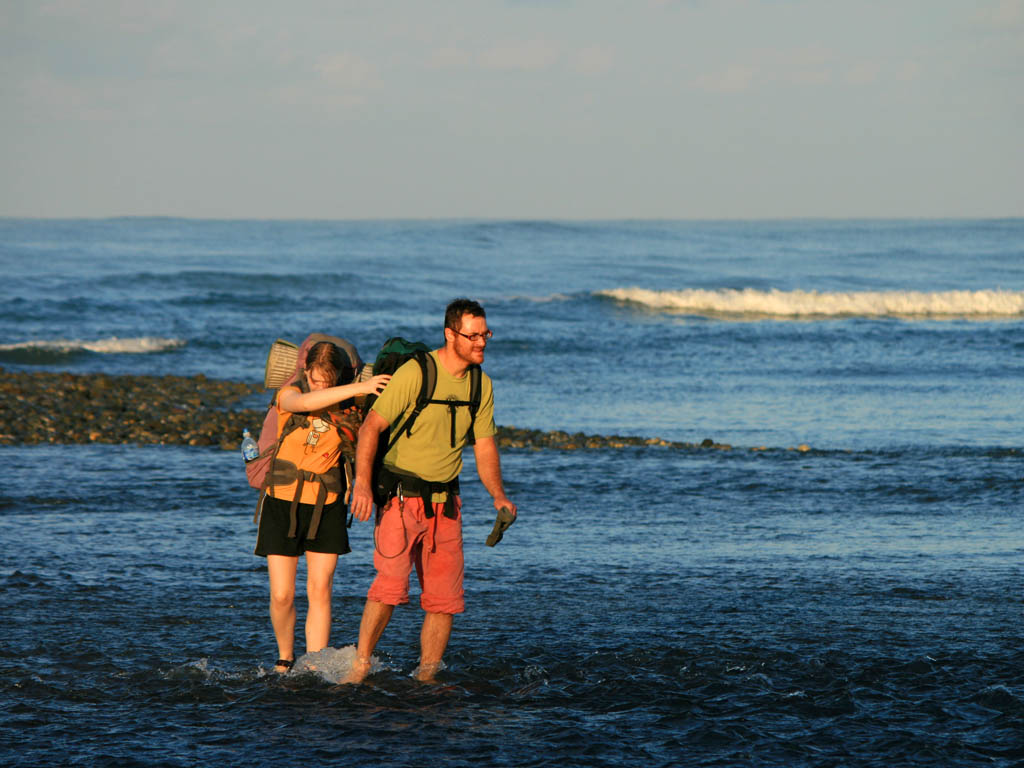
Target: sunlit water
(855, 603)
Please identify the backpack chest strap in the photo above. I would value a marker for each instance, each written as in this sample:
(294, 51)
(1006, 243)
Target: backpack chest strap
(428, 382)
(453, 406)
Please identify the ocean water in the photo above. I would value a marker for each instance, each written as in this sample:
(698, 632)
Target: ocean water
(840, 587)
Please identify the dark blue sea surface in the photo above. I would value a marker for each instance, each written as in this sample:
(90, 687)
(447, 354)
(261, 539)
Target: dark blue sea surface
(839, 587)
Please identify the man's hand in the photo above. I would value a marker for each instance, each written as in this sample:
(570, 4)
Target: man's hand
(361, 505)
(366, 449)
(505, 518)
(504, 501)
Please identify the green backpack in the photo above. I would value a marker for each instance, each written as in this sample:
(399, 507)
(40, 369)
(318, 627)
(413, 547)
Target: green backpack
(393, 354)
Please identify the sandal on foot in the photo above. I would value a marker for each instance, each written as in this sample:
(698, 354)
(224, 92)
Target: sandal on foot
(286, 663)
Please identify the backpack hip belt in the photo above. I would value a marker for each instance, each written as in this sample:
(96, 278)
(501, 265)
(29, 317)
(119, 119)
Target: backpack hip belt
(333, 479)
(284, 474)
(389, 481)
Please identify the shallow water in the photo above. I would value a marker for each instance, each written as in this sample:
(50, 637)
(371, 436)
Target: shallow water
(618, 623)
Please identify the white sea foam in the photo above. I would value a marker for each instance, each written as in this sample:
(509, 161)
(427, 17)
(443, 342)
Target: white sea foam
(774, 303)
(332, 664)
(109, 346)
(550, 299)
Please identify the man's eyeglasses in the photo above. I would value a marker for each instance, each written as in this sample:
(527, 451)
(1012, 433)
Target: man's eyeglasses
(475, 337)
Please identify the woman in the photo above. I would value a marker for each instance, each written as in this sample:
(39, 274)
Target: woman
(304, 508)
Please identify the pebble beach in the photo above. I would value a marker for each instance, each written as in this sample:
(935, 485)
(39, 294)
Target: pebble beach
(71, 408)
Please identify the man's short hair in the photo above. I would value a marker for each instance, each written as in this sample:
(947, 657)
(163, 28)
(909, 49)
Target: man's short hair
(453, 314)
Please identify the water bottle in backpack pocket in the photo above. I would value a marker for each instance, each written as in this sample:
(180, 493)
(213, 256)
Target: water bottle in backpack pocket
(250, 450)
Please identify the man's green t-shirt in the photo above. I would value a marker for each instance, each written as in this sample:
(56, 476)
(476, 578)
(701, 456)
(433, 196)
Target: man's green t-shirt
(427, 452)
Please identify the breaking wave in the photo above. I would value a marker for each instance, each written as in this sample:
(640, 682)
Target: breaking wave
(775, 303)
(53, 349)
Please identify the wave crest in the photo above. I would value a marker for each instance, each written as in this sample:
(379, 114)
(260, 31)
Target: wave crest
(113, 345)
(775, 303)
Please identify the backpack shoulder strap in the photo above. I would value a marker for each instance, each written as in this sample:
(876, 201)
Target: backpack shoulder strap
(428, 381)
(293, 422)
(475, 387)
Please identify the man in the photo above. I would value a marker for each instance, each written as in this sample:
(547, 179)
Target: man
(421, 521)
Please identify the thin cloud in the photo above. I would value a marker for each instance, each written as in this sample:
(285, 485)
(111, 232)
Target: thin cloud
(177, 56)
(870, 72)
(125, 15)
(811, 67)
(806, 66)
(523, 56)
(449, 58)
(347, 70)
(44, 97)
(909, 71)
(864, 73)
(733, 79)
(528, 56)
(1005, 14)
(594, 60)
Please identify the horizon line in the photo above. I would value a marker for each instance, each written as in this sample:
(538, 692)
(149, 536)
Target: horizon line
(516, 219)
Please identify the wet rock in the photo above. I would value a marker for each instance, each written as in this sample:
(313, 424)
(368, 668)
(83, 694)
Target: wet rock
(47, 407)
(42, 406)
(513, 437)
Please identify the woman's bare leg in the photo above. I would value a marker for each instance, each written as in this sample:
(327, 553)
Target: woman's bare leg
(319, 581)
(282, 604)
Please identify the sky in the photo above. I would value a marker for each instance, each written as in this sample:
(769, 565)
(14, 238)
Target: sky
(528, 109)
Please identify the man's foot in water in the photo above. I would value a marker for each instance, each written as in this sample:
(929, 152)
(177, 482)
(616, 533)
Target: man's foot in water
(425, 673)
(284, 666)
(360, 669)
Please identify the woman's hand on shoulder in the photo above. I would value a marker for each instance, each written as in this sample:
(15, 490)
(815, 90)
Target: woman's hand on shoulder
(376, 385)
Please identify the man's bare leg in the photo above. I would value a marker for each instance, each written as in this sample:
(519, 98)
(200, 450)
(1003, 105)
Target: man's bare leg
(375, 618)
(437, 628)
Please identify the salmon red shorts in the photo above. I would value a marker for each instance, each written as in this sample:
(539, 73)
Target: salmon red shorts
(405, 537)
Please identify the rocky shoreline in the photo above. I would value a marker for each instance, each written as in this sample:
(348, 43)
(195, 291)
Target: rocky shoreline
(68, 408)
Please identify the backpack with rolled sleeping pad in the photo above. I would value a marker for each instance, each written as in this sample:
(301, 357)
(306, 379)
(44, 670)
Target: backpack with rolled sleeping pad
(285, 367)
